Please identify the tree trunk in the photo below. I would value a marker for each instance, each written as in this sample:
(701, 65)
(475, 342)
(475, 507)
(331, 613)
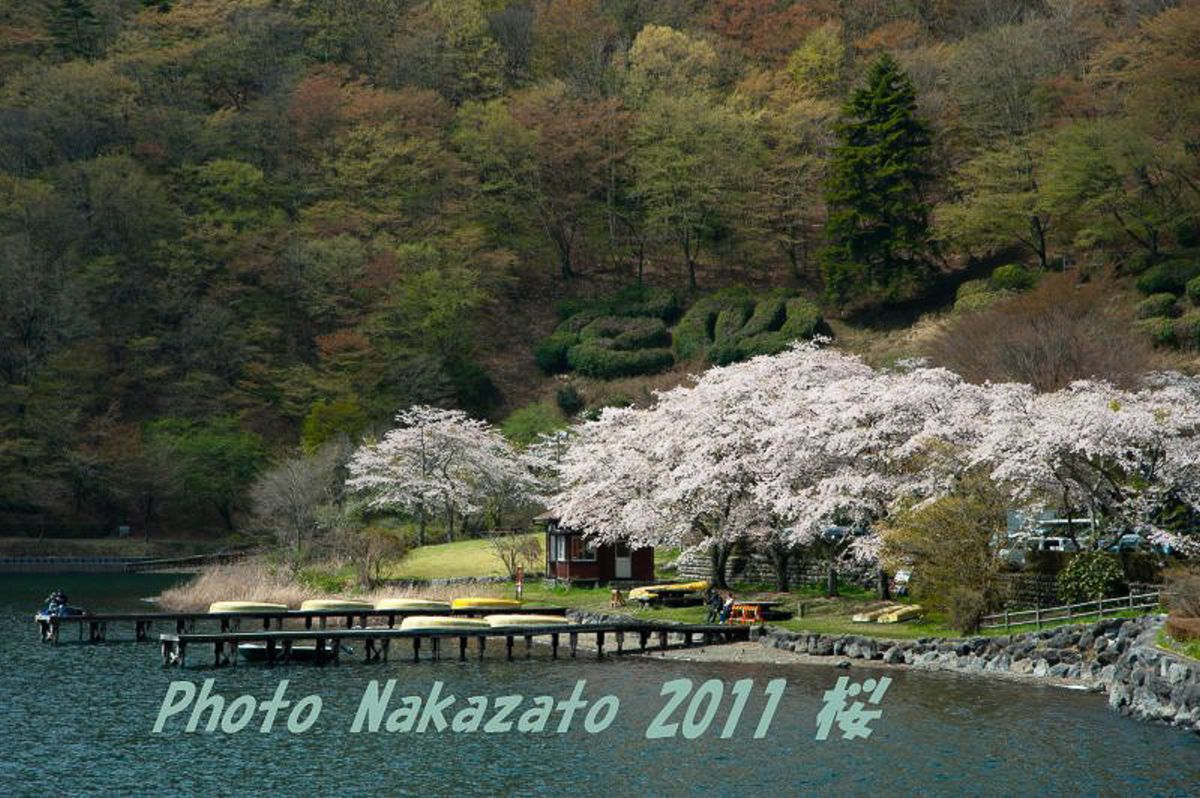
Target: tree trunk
(781, 557)
(884, 592)
(831, 581)
(719, 554)
(226, 513)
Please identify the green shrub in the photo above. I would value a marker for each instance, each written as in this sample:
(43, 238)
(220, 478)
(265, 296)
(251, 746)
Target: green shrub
(1012, 277)
(569, 400)
(657, 303)
(1186, 330)
(1170, 277)
(803, 319)
(525, 425)
(733, 325)
(597, 358)
(476, 392)
(973, 287)
(1090, 575)
(1193, 290)
(551, 353)
(1160, 330)
(695, 331)
(577, 322)
(628, 333)
(1156, 306)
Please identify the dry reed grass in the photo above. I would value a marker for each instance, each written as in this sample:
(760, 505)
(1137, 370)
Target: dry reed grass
(255, 580)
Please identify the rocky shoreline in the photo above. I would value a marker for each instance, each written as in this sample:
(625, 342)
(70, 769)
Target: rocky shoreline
(1117, 656)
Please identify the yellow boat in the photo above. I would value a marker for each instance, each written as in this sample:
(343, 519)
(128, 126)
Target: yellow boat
(411, 604)
(526, 620)
(335, 604)
(650, 591)
(245, 606)
(483, 603)
(414, 622)
(902, 614)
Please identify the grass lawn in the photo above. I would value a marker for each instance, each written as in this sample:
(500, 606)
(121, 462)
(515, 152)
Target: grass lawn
(446, 560)
(1188, 648)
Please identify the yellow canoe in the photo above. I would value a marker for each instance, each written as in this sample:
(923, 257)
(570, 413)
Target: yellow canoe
(442, 622)
(526, 620)
(335, 604)
(903, 614)
(650, 591)
(411, 604)
(483, 603)
(245, 606)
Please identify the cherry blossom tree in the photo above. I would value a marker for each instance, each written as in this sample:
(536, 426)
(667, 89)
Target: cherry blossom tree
(440, 464)
(1126, 460)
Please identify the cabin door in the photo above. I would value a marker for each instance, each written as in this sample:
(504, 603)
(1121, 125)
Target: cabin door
(623, 561)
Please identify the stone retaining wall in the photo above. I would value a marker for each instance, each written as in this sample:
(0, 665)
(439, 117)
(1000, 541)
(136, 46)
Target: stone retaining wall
(1118, 656)
(758, 568)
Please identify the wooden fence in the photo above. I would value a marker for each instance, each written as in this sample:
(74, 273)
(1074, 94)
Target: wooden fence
(1086, 609)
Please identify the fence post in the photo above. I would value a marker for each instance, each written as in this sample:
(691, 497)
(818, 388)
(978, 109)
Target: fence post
(1037, 614)
(1100, 604)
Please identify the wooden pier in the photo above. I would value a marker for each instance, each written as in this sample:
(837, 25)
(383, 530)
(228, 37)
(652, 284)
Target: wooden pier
(93, 627)
(377, 641)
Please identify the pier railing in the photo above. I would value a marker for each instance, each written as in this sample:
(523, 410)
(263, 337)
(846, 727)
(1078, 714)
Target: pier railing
(1081, 611)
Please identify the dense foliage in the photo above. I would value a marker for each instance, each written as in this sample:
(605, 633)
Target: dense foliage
(229, 228)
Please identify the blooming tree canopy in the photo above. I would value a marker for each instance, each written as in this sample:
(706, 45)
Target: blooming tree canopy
(779, 448)
(440, 463)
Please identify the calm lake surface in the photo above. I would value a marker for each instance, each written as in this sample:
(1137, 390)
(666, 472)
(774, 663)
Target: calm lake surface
(77, 719)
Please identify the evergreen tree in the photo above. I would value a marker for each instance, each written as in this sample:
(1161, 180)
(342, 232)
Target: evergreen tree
(75, 29)
(878, 226)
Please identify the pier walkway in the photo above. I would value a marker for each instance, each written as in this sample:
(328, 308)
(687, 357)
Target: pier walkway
(327, 645)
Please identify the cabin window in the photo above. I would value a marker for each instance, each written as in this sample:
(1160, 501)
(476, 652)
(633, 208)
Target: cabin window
(581, 552)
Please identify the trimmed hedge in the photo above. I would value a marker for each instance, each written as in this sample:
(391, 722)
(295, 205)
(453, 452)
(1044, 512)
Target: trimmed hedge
(628, 333)
(1156, 306)
(551, 352)
(1193, 290)
(597, 358)
(734, 325)
(1013, 277)
(1160, 330)
(657, 303)
(1171, 277)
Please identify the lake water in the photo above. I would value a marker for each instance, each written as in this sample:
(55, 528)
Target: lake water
(77, 720)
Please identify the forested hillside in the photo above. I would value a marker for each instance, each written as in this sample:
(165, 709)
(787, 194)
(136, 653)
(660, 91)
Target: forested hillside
(231, 228)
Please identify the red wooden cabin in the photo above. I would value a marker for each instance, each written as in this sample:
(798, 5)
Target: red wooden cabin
(570, 559)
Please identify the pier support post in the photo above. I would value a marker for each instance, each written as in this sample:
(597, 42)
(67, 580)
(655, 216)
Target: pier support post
(482, 644)
(435, 643)
(319, 655)
(270, 652)
(574, 643)
(554, 646)
(417, 649)
(508, 644)
(620, 642)
(643, 636)
(462, 649)
(600, 645)
(528, 646)
(662, 638)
